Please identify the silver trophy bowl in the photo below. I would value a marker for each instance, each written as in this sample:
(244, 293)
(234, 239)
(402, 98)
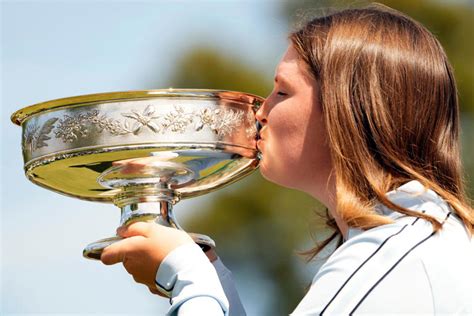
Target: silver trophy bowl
(140, 150)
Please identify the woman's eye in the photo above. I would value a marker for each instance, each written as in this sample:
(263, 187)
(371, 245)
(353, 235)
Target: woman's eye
(281, 93)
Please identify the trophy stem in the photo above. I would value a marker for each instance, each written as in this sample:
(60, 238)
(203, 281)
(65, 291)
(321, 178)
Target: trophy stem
(145, 204)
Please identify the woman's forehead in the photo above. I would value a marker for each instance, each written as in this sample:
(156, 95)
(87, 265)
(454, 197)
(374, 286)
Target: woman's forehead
(289, 65)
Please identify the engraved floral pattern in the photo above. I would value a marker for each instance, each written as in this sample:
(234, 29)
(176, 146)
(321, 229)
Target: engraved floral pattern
(226, 121)
(71, 128)
(251, 130)
(114, 127)
(206, 118)
(222, 122)
(144, 119)
(36, 137)
(177, 120)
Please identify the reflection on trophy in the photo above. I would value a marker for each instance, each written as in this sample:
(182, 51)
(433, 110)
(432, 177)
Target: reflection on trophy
(141, 150)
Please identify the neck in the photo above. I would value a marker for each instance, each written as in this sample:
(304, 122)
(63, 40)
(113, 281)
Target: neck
(341, 224)
(326, 194)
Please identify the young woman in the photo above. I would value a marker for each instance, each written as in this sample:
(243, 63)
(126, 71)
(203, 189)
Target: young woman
(364, 117)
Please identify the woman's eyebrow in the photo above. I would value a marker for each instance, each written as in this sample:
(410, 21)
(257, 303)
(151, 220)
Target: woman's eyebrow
(280, 79)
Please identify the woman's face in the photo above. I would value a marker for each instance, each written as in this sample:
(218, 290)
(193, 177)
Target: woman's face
(293, 136)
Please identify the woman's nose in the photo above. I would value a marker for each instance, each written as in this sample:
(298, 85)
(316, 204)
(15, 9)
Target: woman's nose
(260, 115)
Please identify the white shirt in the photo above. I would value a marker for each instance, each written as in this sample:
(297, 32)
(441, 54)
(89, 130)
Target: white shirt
(401, 267)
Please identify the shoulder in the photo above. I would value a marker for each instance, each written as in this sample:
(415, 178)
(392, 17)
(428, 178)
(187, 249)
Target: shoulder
(403, 267)
(354, 269)
(391, 265)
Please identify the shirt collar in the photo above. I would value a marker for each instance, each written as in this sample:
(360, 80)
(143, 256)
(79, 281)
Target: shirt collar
(409, 195)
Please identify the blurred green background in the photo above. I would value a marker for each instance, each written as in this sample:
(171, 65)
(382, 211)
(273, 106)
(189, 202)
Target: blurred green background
(258, 223)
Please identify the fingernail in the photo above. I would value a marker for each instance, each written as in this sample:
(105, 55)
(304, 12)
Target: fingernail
(120, 230)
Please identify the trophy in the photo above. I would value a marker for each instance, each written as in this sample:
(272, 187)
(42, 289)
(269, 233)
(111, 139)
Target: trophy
(140, 150)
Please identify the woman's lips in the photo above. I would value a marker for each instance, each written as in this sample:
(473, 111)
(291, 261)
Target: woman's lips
(260, 138)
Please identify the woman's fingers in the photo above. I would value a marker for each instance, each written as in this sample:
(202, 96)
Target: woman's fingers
(143, 249)
(116, 252)
(143, 161)
(130, 165)
(138, 164)
(111, 256)
(124, 162)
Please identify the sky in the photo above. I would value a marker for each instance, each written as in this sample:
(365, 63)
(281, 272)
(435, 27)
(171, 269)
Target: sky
(59, 49)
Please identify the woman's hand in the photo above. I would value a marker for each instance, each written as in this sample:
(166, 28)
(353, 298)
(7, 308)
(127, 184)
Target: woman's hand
(141, 164)
(143, 249)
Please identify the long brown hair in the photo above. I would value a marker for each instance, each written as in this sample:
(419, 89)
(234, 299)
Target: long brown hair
(390, 106)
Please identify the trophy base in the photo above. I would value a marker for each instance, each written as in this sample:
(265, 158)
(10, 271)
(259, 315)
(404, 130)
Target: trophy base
(94, 250)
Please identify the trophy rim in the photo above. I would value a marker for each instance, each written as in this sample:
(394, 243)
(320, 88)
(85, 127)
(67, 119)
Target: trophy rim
(23, 114)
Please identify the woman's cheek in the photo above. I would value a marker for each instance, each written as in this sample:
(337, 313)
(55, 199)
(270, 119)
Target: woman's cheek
(270, 159)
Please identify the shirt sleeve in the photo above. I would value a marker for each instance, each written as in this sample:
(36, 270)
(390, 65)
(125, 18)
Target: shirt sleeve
(193, 282)
(225, 276)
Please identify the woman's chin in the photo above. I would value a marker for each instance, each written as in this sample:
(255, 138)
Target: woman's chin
(271, 175)
(264, 170)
